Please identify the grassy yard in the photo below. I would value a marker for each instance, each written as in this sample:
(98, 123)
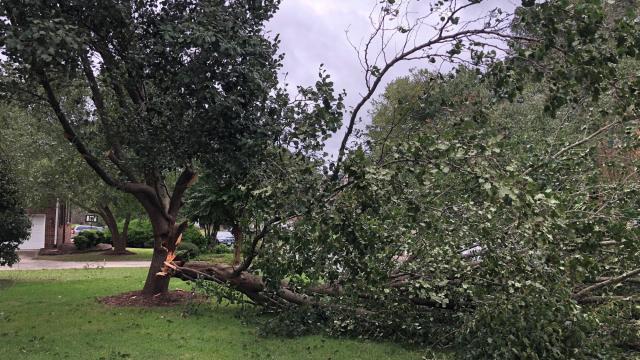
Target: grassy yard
(140, 255)
(53, 314)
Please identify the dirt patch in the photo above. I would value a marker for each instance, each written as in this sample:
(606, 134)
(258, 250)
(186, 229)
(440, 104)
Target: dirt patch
(136, 299)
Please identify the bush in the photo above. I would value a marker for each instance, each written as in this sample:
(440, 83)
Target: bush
(222, 249)
(193, 235)
(82, 242)
(140, 235)
(106, 237)
(187, 251)
(88, 239)
(140, 232)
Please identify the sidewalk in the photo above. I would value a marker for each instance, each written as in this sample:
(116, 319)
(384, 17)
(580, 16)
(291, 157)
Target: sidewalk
(27, 262)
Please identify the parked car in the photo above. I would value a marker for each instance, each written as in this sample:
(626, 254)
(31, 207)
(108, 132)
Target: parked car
(80, 228)
(225, 237)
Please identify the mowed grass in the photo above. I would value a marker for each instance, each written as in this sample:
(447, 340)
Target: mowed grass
(139, 255)
(53, 314)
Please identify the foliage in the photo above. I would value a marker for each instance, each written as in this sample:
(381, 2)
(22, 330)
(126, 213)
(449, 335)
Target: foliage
(140, 233)
(171, 86)
(88, 239)
(222, 249)
(483, 206)
(15, 225)
(82, 242)
(187, 251)
(193, 235)
(546, 203)
(534, 322)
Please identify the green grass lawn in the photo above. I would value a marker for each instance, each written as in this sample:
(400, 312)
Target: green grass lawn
(215, 258)
(140, 255)
(53, 314)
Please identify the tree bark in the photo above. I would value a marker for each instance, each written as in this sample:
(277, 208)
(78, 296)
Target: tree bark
(124, 236)
(155, 283)
(237, 244)
(163, 228)
(119, 243)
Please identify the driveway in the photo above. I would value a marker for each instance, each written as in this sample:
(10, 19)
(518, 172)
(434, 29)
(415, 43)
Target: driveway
(27, 262)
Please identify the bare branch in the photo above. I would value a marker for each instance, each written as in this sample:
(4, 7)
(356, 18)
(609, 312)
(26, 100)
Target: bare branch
(443, 37)
(611, 281)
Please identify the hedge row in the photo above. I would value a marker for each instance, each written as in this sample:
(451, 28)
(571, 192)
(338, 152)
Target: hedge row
(141, 235)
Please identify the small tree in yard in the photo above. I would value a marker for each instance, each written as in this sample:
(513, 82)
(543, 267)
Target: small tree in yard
(14, 227)
(168, 82)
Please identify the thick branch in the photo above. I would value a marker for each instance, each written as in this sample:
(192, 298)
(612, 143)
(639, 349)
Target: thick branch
(70, 134)
(186, 179)
(98, 100)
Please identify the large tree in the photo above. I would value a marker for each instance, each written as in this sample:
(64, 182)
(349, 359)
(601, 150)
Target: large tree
(165, 83)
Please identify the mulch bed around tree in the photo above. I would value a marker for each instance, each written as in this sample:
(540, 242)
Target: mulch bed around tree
(135, 298)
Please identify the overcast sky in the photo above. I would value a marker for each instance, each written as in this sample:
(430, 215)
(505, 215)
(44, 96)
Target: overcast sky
(312, 32)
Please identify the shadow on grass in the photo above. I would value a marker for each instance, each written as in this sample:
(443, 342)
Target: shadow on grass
(6, 283)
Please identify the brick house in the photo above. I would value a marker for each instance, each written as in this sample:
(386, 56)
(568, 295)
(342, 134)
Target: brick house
(49, 227)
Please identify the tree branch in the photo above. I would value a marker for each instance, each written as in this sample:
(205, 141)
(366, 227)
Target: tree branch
(614, 280)
(254, 244)
(440, 39)
(98, 100)
(71, 136)
(574, 145)
(185, 180)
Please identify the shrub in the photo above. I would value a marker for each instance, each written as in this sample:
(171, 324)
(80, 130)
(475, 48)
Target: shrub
(14, 227)
(140, 235)
(88, 239)
(106, 237)
(193, 235)
(222, 249)
(91, 235)
(140, 232)
(187, 251)
(82, 242)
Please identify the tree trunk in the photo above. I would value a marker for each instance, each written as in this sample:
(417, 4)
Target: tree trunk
(237, 244)
(167, 235)
(119, 243)
(162, 229)
(214, 234)
(124, 236)
(162, 209)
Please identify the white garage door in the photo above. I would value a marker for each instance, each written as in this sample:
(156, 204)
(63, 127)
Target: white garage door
(36, 240)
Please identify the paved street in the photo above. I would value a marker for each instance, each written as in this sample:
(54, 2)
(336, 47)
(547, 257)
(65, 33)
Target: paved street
(27, 262)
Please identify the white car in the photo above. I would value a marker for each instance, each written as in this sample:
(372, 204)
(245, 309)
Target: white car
(225, 237)
(80, 228)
